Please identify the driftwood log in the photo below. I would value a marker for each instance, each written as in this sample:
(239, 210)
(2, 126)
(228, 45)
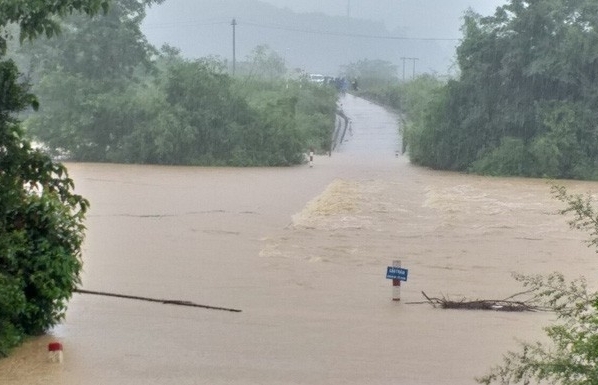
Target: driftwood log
(508, 304)
(162, 301)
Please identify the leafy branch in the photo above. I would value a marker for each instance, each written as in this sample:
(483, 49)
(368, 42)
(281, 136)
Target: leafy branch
(572, 356)
(585, 217)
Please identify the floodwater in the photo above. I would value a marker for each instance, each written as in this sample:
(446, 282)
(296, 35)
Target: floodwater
(303, 253)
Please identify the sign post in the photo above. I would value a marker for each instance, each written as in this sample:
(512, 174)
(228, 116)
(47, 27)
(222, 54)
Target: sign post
(397, 274)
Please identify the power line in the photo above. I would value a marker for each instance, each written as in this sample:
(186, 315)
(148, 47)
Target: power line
(320, 32)
(297, 29)
(189, 23)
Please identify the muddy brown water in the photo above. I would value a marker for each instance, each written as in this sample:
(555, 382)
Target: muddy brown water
(303, 253)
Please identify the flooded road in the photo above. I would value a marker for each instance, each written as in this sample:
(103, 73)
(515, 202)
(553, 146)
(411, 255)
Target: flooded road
(303, 253)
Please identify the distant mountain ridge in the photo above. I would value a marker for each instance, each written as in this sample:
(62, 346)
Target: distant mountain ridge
(314, 42)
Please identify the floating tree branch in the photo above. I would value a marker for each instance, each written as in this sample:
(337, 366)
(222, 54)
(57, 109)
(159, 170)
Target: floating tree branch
(509, 304)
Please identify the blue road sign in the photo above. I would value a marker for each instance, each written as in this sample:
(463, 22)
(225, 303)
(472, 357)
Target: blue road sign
(396, 273)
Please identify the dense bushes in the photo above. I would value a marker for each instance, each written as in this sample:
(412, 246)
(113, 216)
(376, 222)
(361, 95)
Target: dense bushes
(524, 99)
(41, 228)
(157, 107)
(188, 112)
(41, 220)
(313, 111)
(517, 108)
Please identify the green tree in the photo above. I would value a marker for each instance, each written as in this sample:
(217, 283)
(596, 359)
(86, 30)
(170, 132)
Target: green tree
(506, 159)
(571, 357)
(41, 219)
(107, 95)
(193, 112)
(516, 67)
(37, 18)
(313, 112)
(263, 63)
(210, 116)
(85, 79)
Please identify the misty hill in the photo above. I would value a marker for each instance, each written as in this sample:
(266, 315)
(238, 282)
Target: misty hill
(311, 41)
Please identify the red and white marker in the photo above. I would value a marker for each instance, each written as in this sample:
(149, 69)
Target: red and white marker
(396, 284)
(55, 352)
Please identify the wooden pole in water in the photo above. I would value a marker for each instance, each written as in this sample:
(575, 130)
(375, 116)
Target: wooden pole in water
(163, 301)
(396, 284)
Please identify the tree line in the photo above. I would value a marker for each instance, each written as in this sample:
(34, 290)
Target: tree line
(523, 101)
(107, 95)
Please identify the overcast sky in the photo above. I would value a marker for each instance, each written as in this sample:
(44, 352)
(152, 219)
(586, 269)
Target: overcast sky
(429, 18)
(199, 31)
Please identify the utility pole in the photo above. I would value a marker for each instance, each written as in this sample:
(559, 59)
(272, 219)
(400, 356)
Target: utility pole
(234, 24)
(414, 59)
(349, 15)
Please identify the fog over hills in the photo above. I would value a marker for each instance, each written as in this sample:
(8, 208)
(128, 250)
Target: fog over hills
(318, 36)
(431, 18)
